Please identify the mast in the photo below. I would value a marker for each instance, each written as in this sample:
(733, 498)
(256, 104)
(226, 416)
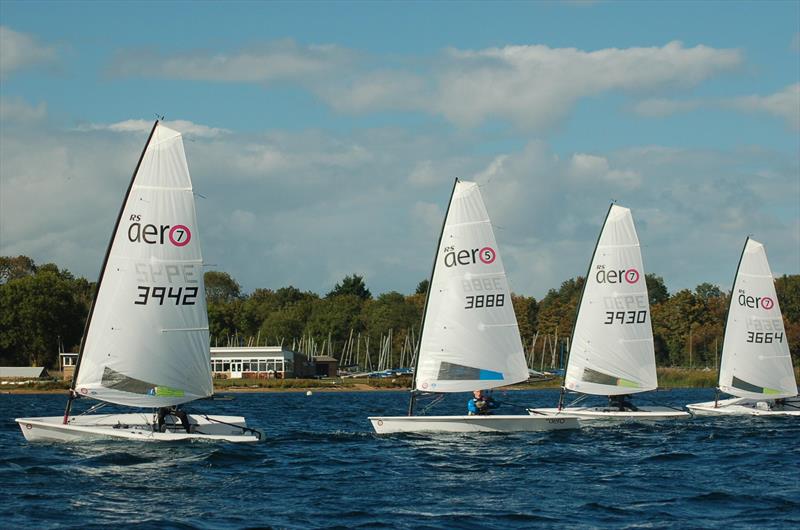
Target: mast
(725, 327)
(102, 273)
(578, 309)
(427, 297)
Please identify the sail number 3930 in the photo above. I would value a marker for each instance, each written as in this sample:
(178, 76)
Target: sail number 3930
(485, 300)
(626, 317)
(164, 295)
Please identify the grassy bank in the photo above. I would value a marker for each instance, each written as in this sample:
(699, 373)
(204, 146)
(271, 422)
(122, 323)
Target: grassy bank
(399, 383)
(667, 378)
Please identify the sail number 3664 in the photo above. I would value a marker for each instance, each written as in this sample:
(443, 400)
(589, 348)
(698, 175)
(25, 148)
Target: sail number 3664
(164, 295)
(485, 300)
(764, 337)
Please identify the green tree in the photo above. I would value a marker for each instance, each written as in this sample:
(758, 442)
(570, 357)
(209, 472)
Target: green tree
(224, 322)
(292, 295)
(335, 316)
(672, 321)
(221, 287)
(707, 291)
(787, 288)
(525, 308)
(351, 285)
(36, 312)
(287, 323)
(14, 268)
(422, 287)
(558, 308)
(656, 289)
(390, 311)
(257, 308)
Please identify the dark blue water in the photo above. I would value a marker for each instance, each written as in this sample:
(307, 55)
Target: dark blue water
(322, 467)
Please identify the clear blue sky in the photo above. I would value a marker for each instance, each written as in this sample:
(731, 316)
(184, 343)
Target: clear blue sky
(325, 135)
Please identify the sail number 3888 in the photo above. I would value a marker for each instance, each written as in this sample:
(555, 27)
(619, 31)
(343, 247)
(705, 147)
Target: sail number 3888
(485, 300)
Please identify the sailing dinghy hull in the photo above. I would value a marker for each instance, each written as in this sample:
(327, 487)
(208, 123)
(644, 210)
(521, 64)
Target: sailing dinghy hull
(511, 423)
(747, 407)
(607, 414)
(135, 427)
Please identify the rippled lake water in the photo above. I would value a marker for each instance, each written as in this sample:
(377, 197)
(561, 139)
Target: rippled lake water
(322, 467)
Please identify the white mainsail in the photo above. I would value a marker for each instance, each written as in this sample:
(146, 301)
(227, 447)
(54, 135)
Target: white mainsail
(756, 362)
(470, 338)
(147, 344)
(611, 352)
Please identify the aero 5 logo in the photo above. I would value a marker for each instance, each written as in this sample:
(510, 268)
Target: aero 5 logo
(177, 235)
(630, 276)
(453, 258)
(755, 302)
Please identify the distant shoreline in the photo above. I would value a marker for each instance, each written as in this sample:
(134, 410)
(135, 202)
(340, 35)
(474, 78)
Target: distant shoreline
(668, 378)
(234, 390)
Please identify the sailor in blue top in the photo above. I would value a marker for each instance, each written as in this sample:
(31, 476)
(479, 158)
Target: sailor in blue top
(481, 404)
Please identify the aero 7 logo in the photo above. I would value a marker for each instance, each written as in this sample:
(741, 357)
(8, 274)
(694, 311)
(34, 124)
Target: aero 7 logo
(150, 234)
(755, 302)
(630, 276)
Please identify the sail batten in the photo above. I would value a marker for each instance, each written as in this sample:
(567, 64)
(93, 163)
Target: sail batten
(756, 362)
(470, 337)
(152, 283)
(612, 351)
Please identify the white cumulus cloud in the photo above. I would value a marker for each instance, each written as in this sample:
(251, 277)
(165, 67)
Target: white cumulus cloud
(17, 110)
(784, 104)
(329, 204)
(138, 126)
(535, 86)
(277, 61)
(532, 86)
(21, 50)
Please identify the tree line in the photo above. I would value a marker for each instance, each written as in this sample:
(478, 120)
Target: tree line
(43, 309)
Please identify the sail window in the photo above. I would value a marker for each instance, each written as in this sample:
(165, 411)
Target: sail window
(750, 387)
(120, 381)
(599, 378)
(456, 372)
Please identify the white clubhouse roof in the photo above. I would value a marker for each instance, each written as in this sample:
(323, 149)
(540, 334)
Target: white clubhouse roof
(22, 371)
(251, 351)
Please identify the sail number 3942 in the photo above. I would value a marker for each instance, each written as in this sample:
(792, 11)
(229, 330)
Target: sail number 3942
(164, 295)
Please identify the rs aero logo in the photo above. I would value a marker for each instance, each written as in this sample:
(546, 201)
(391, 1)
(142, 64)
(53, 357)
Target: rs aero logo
(454, 258)
(755, 302)
(150, 234)
(630, 276)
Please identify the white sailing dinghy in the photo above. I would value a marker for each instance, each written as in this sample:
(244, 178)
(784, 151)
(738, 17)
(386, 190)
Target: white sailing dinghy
(756, 365)
(469, 338)
(611, 351)
(146, 340)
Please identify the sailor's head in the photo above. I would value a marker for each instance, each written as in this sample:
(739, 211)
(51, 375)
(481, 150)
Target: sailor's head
(477, 394)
